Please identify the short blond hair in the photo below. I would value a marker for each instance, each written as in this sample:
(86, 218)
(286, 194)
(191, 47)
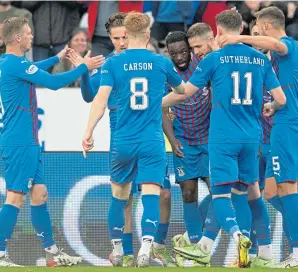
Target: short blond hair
(199, 30)
(136, 23)
(12, 27)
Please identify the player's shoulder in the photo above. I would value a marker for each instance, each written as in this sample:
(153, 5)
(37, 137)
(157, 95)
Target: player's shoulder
(16, 63)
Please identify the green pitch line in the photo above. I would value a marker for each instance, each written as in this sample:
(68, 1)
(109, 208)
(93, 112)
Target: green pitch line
(116, 269)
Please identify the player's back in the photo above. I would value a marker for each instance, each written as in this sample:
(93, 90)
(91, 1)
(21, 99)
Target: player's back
(286, 68)
(139, 78)
(237, 83)
(20, 120)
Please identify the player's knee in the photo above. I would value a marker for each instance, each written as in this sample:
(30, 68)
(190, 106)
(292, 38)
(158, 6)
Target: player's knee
(151, 189)
(15, 199)
(38, 194)
(239, 189)
(121, 191)
(165, 195)
(189, 195)
(254, 192)
(221, 191)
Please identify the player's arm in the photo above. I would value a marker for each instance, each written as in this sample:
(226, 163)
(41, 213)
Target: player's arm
(31, 73)
(273, 86)
(89, 86)
(99, 105)
(198, 81)
(264, 42)
(48, 63)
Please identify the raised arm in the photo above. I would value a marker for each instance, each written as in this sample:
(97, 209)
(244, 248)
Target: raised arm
(90, 86)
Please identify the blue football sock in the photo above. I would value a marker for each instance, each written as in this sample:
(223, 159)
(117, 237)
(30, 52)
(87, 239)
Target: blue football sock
(243, 213)
(150, 218)
(276, 203)
(41, 221)
(212, 226)
(162, 233)
(204, 206)
(261, 221)
(290, 207)
(127, 243)
(193, 221)
(225, 214)
(116, 219)
(8, 220)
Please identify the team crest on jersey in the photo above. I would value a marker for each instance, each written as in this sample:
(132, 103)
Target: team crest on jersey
(180, 171)
(30, 182)
(31, 70)
(95, 71)
(205, 91)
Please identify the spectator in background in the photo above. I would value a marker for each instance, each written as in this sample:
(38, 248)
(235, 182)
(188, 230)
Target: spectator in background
(98, 14)
(172, 16)
(8, 11)
(79, 43)
(292, 29)
(54, 22)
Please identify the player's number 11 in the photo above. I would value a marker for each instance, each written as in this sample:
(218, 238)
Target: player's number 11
(236, 100)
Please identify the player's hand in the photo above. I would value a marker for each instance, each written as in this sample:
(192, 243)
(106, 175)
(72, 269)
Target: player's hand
(224, 40)
(62, 54)
(87, 143)
(176, 148)
(93, 62)
(268, 110)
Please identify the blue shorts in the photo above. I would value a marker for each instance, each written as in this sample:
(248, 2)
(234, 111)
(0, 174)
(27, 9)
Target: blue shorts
(265, 165)
(194, 164)
(284, 151)
(231, 163)
(22, 167)
(166, 184)
(140, 162)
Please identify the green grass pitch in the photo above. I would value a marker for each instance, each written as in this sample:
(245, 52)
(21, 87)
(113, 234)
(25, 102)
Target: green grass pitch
(116, 269)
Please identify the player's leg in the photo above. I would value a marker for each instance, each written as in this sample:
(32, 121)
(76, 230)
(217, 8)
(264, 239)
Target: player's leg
(20, 164)
(151, 170)
(159, 249)
(285, 167)
(122, 171)
(224, 171)
(127, 238)
(187, 171)
(41, 220)
(203, 166)
(261, 227)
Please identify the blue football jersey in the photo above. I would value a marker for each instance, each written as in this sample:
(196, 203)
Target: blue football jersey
(18, 77)
(286, 68)
(138, 77)
(237, 73)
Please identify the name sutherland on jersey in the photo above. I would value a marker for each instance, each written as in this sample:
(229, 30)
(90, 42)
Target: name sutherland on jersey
(145, 66)
(242, 59)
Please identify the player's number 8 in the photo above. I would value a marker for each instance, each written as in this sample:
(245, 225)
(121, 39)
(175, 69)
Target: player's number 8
(1, 107)
(236, 100)
(141, 94)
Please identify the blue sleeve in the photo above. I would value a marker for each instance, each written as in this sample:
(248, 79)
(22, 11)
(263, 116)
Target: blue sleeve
(31, 73)
(270, 81)
(289, 44)
(173, 78)
(89, 86)
(47, 63)
(202, 75)
(107, 78)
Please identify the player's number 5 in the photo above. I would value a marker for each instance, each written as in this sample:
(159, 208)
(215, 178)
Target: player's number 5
(236, 100)
(143, 82)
